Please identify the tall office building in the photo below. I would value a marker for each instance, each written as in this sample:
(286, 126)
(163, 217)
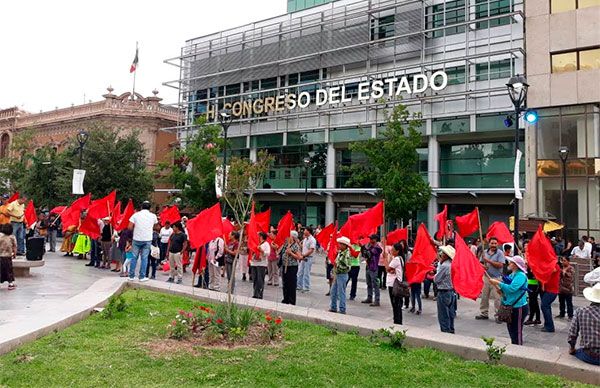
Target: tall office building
(311, 82)
(563, 70)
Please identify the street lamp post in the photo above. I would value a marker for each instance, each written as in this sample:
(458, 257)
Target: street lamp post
(225, 118)
(563, 152)
(82, 138)
(307, 163)
(517, 91)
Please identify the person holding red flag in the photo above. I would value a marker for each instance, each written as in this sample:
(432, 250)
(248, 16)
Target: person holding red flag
(142, 223)
(394, 265)
(259, 265)
(340, 271)
(446, 299)
(289, 272)
(372, 252)
(494, 260)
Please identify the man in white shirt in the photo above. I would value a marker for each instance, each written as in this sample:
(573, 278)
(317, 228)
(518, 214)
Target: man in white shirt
(587, 246)
(580, 252)
(165, 232)
(142, 223)
(216, 252)
(309, 244)
(259, 264)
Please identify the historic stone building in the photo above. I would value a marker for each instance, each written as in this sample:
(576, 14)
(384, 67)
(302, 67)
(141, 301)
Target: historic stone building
(124, 112)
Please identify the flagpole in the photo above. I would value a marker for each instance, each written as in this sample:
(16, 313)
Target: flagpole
(479, 220)
(134, 72)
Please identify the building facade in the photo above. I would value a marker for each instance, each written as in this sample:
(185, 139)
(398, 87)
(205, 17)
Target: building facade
(123, 112)
(345, 64)
(563, 70)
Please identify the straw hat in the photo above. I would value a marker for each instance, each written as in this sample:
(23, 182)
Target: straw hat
(592, 293)
(448, 250)
(519, 262)
(344, 240)
(293, 234)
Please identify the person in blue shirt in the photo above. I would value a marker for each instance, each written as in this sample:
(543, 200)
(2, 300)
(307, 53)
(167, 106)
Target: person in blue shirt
(514, 293)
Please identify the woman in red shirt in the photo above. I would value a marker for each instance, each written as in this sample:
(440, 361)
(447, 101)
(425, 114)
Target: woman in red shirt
(549, 293)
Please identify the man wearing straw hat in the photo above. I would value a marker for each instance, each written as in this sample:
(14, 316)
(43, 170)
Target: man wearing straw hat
(446, 299)
(586, 324)
(340, 271)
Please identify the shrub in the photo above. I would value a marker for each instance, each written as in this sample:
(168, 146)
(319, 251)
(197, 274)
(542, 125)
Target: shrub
(116, 304)
(395, 338)
(494, 352)
(183, 326)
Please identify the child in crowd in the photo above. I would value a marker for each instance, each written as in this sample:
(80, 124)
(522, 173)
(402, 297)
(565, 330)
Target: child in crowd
(128, 258)
(8, 250)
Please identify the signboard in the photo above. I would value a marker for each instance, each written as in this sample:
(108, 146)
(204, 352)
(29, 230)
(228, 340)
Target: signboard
(375, 89)
(78, 177)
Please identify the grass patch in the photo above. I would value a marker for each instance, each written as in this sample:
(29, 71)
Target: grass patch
(111, 352)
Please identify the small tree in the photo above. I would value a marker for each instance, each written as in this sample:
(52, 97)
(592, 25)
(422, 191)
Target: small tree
(393, 165)
(243, 178)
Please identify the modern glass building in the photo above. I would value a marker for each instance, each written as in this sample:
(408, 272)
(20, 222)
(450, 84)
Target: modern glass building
(311, 82)
(563, 70)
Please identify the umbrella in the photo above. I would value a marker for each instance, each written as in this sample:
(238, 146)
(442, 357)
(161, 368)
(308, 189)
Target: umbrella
(551, 226)
(58, 209)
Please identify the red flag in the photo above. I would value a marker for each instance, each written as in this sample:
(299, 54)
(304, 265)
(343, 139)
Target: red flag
(116, 214)
(171, 214)
(284, 226)
(364, 224)
(227, 227)
(122, 221)
(541, 257)
(101, 208)
(206, 226)
(468, 224)
(82, 203)
(30, 214)
(253, 232)
(325, 235)
(263, 221)
(58, 209)
(442, 219)
(424, 253)
(499, 230)
(199, 260)
(70, 217)
(467, 272)
(89, 226)
(332, 249)
(13, 198)
(397, 236)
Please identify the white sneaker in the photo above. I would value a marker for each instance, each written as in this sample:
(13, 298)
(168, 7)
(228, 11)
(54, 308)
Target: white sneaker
(130, 279)
(143, 280)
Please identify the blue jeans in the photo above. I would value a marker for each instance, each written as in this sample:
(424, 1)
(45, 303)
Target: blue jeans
(142, 249)
(446, 310)
(19, 233)
(304, 274)
(415, 295)
(338, 291)
(372, 286)
(547, 299)
(580, 354)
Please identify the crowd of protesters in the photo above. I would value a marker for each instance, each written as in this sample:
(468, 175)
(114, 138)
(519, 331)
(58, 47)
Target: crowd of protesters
(518, 298)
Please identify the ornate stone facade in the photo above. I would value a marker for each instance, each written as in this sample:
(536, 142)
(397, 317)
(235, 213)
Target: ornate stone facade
(125, 112)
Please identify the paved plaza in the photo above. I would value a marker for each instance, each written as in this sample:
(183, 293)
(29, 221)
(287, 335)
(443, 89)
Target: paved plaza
(64, 277)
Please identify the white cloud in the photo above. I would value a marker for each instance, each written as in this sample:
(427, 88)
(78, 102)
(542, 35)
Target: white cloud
(55, 52)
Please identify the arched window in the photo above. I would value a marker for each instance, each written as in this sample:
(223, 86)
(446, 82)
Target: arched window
(4, 143)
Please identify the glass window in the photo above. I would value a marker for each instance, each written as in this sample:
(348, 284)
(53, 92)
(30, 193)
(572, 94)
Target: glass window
(588, 3)
(445, 14)
(572, 135)
(382, 27)
(589, 59)
(564, 62)
(494, 70)
(451, 125)
(548, 137)
(562, 5)
(349, 134)
(488, 8)
(313, 137)
(293, 79)
(288, 170)
(236, 143)
(456, 75)
(345, 159)
(262, 141)
(478, 165)
(491, 122)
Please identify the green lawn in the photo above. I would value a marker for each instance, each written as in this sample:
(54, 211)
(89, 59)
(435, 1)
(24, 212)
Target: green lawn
(110, 352)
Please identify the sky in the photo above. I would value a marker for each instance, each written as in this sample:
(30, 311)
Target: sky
(57, 52)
